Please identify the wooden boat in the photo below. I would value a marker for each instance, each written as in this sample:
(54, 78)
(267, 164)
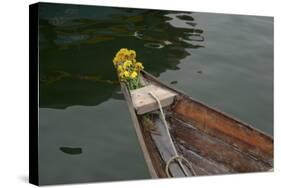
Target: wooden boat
(211, 141)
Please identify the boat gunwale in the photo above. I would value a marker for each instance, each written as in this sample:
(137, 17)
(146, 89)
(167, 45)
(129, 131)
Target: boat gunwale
(183, 95)
(138, 131)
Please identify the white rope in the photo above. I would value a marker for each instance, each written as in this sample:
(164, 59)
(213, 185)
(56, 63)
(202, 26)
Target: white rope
(176, 156)
(179, 158)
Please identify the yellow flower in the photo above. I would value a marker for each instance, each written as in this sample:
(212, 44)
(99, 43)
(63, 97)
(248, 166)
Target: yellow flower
(122, 76)
(134, 74)
(139, 66)
(123, 50)
(120, 68)
(126, 74)
(132, 54)
(126, 57)
(120, 57)
(134, 61)
(122, 53)
(127, 64)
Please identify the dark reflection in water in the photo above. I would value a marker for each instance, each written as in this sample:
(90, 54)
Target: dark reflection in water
(71, 150)
(76, 50)
(79, 88)
(85, 129)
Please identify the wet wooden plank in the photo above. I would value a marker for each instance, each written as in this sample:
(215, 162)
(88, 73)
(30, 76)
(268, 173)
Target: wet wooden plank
(214, 149)
(164, 147)
(203, 166)
(231, 131)
(158, 163)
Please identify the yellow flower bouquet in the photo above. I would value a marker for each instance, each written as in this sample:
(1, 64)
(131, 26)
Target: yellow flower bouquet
(128, 68)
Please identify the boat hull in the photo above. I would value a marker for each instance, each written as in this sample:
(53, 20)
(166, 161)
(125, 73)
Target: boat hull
(212, 141)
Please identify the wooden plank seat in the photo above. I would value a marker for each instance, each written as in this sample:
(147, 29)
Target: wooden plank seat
(143, 102)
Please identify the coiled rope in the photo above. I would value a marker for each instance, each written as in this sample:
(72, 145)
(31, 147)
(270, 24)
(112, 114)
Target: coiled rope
(176, 156)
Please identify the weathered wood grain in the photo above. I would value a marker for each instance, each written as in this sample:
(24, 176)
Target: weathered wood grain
(211, 148)
(165, 148)
(143, 102)
(229, 130)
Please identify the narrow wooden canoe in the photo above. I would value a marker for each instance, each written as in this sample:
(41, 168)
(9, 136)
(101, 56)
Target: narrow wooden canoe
(211, 141)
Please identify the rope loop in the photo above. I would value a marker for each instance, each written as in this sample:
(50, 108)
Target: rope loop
(179, 158)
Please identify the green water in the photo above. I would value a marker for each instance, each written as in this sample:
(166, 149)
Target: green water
(85, 131)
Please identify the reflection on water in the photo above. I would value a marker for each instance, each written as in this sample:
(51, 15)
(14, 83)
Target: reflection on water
(79, 88)
(75, 45)
(71, 150)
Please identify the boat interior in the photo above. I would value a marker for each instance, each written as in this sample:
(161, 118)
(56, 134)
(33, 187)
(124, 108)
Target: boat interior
(211, 141)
